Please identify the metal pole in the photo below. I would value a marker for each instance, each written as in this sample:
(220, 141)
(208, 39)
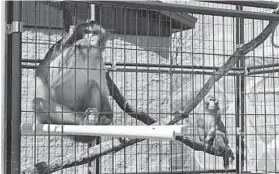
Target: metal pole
(4, 12)
(13, 87)
(190, 9)
(240, 96)
(242, 90)
(260, 4)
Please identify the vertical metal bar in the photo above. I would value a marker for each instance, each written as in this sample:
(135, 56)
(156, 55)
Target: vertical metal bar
(240, 96)
(137, 77)
(113, 74)
(255, 96)
(181, 77)
(242, 88)
(4, 92)
(98, 139)
(125, 74)
(237, 104)
(148, 89)
(213, 61)
(264, 104)
(274, 108)
(7, 80)
(13, 90)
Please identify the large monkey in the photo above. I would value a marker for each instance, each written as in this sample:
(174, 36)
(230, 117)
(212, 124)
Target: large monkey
(71, 85)
(212, 131)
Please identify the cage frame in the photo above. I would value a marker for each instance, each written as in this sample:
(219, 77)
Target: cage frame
(14, 63)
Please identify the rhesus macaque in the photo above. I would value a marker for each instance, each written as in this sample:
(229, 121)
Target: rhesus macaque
(212, 131)
(209, 123)
(71, 85)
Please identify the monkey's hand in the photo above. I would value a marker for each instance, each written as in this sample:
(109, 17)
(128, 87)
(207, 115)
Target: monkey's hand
(91, 117)
(209, 140)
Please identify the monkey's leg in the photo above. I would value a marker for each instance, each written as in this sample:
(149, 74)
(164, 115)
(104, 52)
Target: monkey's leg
(100, 103)
(201, 133)
(210, 136)
(49, 111)
(92, 102)
(200, 128)
(107, 113)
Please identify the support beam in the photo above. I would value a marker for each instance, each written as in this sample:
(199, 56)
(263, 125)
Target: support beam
(150, 132)
(13, 87)
(191, 9)
(260, 4)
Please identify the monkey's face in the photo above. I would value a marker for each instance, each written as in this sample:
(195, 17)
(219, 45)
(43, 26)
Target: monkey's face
(95, 33)
(212, 103)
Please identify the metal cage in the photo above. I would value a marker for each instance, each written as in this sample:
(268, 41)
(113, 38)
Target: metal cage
(158, 57)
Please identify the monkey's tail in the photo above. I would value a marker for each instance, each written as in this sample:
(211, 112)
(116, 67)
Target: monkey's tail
(228, 157)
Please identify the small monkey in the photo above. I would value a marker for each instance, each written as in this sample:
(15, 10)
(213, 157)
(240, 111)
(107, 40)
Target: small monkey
(208, 124)
(71, 86)
(212, 131)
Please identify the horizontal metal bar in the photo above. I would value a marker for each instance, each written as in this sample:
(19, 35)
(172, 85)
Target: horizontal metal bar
(152, 71)
(151, 65)
(260, 4)
(208, 70)
(189, 172)
(42, 27)
(191, 9)
(263, 66)
(263, 71)
(174, 71)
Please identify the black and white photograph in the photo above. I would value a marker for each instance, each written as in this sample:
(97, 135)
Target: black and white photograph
(140, 87)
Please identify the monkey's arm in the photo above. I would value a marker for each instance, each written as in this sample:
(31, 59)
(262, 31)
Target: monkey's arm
(221, 127)
(210, 135)
(200, 128)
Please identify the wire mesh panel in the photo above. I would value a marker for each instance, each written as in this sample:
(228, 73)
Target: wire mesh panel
(157, 62)
(261, 101)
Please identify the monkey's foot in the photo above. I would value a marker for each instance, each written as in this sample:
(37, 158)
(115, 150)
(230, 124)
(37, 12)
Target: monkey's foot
(91, 117)
(41, 104)
(207, 146)
(208, 143)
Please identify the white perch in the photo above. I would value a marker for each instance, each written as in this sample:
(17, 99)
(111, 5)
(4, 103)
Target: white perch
(148, 132)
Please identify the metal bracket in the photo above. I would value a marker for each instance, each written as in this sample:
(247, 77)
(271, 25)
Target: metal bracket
(246, 71)
(238, 46)
(239, 131)
(14, 27)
